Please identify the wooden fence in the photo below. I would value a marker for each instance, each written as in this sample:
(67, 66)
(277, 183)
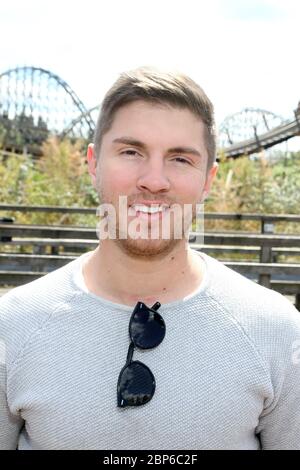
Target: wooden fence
(29, 251)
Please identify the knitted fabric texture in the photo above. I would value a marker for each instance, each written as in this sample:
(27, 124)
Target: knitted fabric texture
(227, 372)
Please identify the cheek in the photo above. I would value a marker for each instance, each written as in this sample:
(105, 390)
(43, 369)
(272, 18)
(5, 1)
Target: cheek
(190, 189)
(115, 181)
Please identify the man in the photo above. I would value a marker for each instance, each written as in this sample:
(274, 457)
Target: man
(215, 366)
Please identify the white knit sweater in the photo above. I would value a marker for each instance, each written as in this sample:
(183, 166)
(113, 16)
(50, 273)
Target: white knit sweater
(227, 373)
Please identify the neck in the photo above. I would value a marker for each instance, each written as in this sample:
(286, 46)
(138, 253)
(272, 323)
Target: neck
(111, 273)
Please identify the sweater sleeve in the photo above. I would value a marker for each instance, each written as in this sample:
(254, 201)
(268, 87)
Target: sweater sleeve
(10, 425)
(279, 424)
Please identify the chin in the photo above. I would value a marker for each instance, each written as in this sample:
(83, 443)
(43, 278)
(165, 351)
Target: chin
(147, 248)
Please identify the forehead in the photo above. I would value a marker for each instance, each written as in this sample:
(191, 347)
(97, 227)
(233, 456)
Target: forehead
(141, 119)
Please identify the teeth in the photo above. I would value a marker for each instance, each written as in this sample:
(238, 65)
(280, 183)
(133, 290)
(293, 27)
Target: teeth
(148, 209)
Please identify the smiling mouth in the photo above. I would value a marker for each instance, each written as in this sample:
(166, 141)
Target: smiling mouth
(137, 209)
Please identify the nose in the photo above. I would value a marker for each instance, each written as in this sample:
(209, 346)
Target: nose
(153, 177)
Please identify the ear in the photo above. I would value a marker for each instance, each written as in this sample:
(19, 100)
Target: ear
(92, 163)
(209, 179)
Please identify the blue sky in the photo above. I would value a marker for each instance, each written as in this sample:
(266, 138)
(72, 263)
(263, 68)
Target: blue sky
(243, 53)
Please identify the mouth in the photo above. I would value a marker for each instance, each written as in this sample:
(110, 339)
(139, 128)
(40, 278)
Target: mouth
(152, 211)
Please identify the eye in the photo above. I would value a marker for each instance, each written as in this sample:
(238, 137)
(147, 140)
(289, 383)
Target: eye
(130, 152)
(182, 160)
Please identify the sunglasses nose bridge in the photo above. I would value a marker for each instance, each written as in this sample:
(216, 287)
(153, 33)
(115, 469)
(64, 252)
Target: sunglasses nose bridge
(130, 353)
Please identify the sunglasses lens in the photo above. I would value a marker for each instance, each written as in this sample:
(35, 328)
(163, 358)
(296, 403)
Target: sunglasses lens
(147, 327)
(136, 385)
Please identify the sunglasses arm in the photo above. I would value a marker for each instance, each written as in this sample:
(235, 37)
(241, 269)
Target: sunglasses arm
(156, 306)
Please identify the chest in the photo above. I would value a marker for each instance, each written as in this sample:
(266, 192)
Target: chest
(203, 399)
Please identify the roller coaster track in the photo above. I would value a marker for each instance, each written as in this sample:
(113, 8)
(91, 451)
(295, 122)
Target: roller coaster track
(33, 74)
(35, 102)
(277, 135)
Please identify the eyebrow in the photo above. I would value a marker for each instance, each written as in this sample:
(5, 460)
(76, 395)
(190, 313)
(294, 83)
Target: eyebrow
(141, 145)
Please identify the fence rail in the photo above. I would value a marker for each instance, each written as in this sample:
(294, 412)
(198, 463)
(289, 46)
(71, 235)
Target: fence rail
(30, 251)
(208, 215)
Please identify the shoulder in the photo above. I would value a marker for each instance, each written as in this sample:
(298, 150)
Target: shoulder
(267, 318)
(27, 308)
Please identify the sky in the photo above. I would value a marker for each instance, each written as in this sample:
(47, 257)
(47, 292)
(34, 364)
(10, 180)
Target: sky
(244, 53)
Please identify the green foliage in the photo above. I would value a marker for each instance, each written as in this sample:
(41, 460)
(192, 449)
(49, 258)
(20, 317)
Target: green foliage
(60, 178)
(255, 186)
(22, 132)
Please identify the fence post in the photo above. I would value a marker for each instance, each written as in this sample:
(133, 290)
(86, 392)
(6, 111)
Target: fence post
(297, 301)
(6, 220)
(265, 253)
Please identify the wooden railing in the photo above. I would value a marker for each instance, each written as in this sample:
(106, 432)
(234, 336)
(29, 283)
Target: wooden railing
(272, 259)
(264, 218)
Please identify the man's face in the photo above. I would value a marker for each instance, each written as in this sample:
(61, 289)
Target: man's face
(155, 155)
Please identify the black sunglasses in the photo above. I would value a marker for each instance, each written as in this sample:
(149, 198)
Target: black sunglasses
(147, 329)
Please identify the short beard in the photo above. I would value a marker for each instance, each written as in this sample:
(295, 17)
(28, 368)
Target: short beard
(147, 249)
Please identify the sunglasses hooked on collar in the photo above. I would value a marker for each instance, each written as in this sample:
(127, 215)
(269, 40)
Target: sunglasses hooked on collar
(136, 383)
